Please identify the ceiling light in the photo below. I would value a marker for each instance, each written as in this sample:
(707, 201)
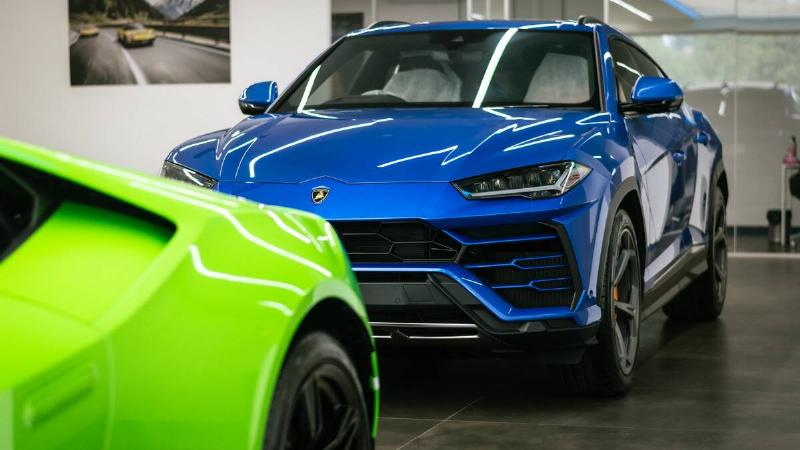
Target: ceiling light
(632, 9)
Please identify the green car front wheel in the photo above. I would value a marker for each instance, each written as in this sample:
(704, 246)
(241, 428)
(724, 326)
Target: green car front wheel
(318, 402)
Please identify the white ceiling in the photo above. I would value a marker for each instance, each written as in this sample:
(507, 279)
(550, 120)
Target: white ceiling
(756, 9)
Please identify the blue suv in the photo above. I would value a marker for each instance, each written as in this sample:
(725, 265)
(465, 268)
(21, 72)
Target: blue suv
(508, 186)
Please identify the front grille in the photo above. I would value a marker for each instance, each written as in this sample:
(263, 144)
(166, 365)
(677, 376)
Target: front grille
(392, 277)
(512, 275)
(510, 251)
(417, 314)
(408, 241)
(527, 274)
(526, 264)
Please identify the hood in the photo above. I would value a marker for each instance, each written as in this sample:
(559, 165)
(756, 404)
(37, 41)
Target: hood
(388, 145)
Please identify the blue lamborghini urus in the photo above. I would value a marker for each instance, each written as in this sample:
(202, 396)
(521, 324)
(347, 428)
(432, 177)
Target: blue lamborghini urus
(500, 186)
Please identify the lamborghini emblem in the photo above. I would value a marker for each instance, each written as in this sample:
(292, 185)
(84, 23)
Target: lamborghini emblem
(319, 194)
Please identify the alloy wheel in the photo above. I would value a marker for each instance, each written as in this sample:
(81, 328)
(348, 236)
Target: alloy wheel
(326, 413)
(720, 253)
(626, 297)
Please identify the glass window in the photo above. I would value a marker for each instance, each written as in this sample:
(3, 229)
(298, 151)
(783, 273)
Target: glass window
(644, 64)
(17, 210)
(453, 68)
(625, 70)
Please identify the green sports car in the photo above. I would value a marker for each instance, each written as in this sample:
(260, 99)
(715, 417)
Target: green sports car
(142, 313)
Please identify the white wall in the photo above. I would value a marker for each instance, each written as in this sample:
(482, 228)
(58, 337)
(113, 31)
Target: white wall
(134, 126)
(443, 10)
(405, 10)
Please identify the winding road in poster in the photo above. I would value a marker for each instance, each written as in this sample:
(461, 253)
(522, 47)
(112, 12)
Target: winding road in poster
(103, 60)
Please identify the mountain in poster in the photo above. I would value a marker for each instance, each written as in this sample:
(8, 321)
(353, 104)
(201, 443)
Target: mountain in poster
(114, 8)
(210, 8)
(214, 11)
(174, 9)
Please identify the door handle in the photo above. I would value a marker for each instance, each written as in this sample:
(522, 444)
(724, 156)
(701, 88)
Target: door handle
(678, 156)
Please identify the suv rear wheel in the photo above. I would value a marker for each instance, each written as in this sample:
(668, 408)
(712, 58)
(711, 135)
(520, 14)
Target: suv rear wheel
(705, 297)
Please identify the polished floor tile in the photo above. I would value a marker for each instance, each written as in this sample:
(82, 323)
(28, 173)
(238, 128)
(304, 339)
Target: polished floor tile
(397, 432)
(459, 435)
(731, 383)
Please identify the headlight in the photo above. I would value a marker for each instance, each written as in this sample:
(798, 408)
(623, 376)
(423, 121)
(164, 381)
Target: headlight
(545, 181)
(180, 173)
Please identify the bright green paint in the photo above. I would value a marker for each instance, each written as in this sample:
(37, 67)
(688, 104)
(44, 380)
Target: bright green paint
(102, 267)
(116, 336)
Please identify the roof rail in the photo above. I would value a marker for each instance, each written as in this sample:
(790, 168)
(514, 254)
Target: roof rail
(583, 20)
(386, 23)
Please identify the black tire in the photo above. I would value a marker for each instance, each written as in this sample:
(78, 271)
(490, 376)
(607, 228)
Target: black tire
(607, 368)
(318, 372)
(705, 297)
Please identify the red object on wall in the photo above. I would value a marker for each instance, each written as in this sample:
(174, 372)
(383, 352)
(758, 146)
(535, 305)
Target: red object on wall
(791, 153)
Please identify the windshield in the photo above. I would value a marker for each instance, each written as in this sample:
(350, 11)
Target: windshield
(473, 68)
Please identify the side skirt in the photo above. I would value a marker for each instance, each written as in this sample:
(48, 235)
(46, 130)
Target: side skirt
(676, 278)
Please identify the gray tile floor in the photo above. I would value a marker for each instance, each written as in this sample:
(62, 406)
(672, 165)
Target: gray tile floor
(731, 383)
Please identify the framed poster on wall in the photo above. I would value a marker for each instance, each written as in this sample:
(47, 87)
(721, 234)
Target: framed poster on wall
(149, 41)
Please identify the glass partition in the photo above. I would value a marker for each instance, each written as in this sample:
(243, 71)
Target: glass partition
(736, 61)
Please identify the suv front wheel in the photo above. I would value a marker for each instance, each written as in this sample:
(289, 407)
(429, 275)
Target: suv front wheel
(607, 368)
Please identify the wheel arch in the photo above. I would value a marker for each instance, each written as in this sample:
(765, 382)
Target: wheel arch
(626, 196)
(335, 317)
(628, 199)
(721, 180)
(631, 204)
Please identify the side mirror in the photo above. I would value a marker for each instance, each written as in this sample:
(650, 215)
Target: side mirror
(655, 94)
(257, 97)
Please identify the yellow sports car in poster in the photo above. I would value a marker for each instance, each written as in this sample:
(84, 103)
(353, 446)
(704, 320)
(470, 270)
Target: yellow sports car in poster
(136, 34)
(88, 31)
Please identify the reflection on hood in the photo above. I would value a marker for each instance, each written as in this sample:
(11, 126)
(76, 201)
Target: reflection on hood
(388, 145)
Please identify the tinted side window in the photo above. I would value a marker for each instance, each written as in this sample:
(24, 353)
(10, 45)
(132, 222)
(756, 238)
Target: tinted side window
(17, 208)
(28, 197)
(626, 71)
(644, 64)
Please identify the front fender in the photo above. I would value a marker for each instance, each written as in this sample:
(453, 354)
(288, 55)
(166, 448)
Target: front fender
(198, 153)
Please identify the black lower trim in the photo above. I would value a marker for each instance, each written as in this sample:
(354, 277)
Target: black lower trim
(673, 280)
(439, 313)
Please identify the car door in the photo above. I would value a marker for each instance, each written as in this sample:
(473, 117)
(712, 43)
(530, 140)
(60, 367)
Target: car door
(663, 144)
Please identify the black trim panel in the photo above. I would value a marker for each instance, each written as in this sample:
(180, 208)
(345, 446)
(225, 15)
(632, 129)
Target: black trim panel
(675, 278)
(49, 192)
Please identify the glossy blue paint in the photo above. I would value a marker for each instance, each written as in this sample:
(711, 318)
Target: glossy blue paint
(398, 164)
(397, 145)
(556, 25)
(258, 96)
(649, 90)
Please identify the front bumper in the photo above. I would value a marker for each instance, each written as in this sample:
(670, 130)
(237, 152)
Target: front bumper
(435, 309)
(489, 291)
(399, 280)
